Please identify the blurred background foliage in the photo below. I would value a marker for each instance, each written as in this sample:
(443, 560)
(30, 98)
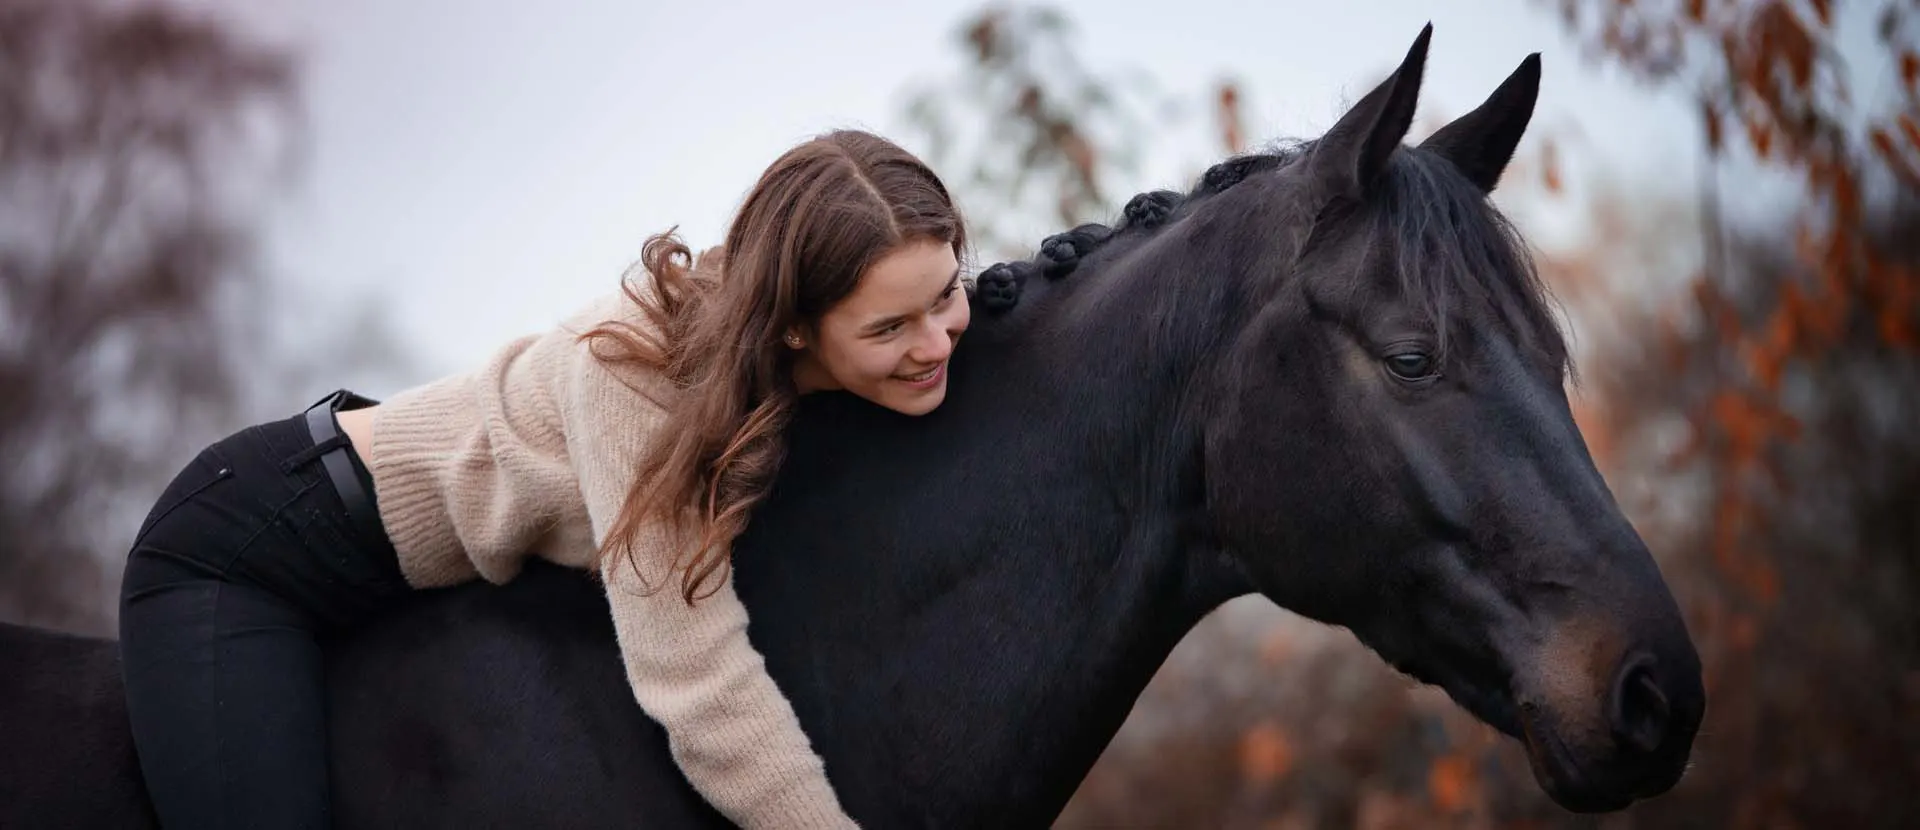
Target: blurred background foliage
(1748, 381)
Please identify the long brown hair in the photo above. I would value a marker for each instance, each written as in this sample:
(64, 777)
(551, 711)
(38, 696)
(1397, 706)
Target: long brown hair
(817, 218)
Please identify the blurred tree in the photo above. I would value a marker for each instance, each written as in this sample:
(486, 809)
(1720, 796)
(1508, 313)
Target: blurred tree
(1777, 94)
(129, 136)
(1031, 137)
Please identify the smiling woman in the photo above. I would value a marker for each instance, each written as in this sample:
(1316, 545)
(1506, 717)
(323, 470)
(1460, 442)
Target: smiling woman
(889, 340)
(839, 272)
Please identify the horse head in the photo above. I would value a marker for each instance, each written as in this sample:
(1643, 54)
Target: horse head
(1397, 343)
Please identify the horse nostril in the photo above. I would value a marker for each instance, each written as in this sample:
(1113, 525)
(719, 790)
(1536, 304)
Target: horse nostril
(1639, 710)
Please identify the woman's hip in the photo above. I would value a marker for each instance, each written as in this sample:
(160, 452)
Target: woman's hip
(260, 508)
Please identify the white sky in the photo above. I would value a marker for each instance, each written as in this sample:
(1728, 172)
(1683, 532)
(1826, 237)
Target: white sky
(488, 165)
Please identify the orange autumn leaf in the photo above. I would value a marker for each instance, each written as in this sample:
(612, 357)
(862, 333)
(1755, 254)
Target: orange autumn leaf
(1785, 328)
(1760, 137)
(1846, 199)
(1768, 364)
(1883, 144)
(1266, 756)
(1550, 167)
(1230, 127)
(1715, 310)
(1671, 345)
(1450, 782)
(1792, 41)
(1734, 414)
(1889, 150)
(1897, 327)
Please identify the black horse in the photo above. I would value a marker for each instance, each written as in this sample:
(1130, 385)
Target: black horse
(1327, 373)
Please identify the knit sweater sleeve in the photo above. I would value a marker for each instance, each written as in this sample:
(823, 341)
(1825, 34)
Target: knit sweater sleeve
(730, 728)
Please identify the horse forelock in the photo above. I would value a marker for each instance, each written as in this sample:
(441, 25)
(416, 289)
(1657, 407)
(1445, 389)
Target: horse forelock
(1455, 256)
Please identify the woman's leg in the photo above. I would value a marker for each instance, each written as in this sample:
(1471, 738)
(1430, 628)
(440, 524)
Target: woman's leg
(247, 560)
(226, 696)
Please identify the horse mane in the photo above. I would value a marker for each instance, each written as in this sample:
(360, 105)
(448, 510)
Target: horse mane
(1000, 284)
(1451, 246)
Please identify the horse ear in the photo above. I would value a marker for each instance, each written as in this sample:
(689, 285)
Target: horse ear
(1351, 155)
(1481, 142)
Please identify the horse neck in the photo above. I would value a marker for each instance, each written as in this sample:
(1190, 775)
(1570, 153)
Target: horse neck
(1150, 322)
(1053, 646)
(971, 673)
(1091, 588)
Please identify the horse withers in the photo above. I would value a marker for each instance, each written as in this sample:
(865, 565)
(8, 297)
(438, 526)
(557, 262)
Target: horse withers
(1326, 373)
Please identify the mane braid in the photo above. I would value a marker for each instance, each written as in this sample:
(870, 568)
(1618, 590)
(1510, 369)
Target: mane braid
(999, 285)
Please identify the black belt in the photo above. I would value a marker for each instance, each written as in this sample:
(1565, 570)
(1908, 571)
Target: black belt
(333, 447)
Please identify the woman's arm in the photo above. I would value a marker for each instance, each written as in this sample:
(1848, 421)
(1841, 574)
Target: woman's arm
(731, 729)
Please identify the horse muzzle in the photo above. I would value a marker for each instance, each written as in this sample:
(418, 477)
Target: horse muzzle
(1599, 753)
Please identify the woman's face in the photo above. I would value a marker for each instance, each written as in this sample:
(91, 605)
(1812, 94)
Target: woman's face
(889, 340)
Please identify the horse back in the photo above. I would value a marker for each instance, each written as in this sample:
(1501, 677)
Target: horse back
(66, 755)
(499, 706)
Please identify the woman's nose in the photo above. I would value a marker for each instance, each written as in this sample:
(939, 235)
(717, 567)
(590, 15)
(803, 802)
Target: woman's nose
(934, 345)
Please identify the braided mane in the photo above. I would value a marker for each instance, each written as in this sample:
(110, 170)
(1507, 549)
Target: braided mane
(999, 285)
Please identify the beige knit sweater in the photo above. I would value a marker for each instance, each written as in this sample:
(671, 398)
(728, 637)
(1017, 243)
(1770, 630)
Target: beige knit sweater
(534, 454)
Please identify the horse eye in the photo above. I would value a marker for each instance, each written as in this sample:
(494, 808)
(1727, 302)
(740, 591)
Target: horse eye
(1410, 365)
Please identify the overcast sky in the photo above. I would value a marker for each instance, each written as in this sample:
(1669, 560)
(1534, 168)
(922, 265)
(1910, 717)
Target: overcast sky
(490, 165)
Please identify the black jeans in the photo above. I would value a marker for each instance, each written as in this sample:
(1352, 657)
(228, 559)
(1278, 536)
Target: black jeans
(248, 560)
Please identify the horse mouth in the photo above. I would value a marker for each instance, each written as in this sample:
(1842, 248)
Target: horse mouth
(1559, 774)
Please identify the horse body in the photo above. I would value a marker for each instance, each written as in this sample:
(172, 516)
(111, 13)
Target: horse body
(66, 755)
(1243, 394)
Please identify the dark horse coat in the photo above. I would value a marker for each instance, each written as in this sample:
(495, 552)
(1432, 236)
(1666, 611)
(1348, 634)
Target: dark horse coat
(1326, 373)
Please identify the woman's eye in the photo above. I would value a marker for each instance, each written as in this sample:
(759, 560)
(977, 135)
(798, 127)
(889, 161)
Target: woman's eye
(1411, 365)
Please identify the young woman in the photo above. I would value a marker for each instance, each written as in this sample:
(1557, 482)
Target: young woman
(632, 440)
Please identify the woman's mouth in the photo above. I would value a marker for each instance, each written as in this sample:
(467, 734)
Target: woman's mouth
(924, 380)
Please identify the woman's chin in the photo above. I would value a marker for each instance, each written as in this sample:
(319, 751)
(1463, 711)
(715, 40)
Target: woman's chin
(918, 404)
